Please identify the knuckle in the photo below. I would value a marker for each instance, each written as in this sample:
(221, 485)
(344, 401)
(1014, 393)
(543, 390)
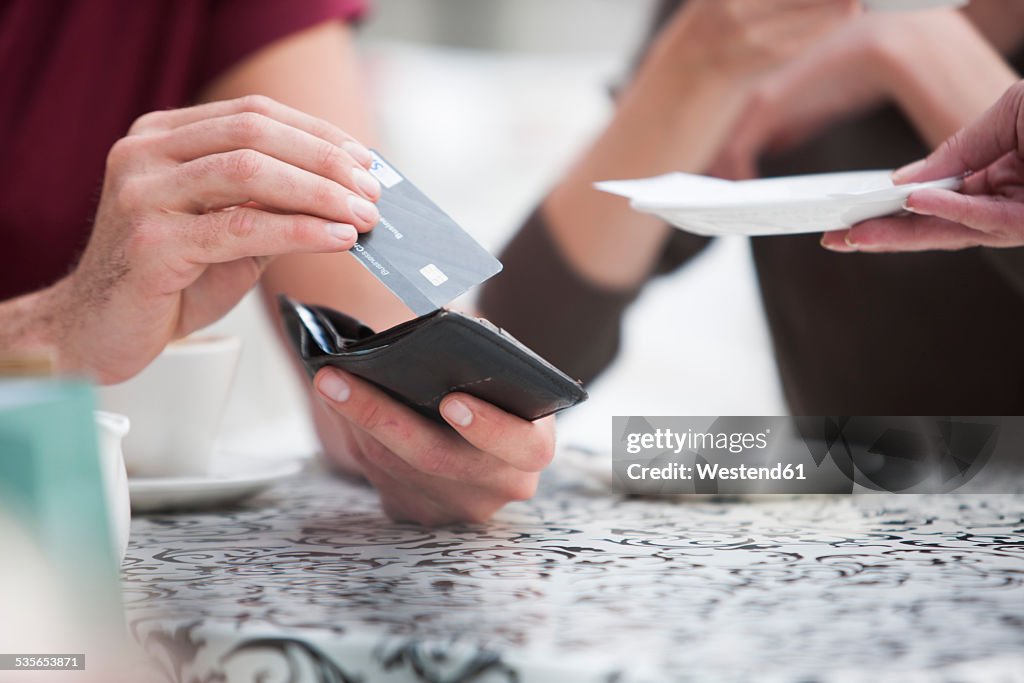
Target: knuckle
(329, 157)
(240, 224)
(374, 417)
(327, 131)
(123, 152)
(248, 127)
(243, 165)
(435, 459)
(146, 122)
(323, 193)
(294, 231)
(259, 104)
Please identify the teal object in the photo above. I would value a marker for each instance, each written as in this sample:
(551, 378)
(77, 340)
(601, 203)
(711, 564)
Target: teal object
(51, 485)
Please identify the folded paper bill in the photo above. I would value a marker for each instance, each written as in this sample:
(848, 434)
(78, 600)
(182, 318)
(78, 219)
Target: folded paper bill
(770, 206)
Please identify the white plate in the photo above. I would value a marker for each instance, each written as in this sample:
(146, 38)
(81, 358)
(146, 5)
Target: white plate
(772, 206)
(231, 479)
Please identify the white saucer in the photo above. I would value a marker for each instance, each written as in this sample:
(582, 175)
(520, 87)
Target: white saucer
(231, 478)
(771, 206)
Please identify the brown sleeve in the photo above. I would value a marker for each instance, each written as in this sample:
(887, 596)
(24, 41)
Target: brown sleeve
(542, 301)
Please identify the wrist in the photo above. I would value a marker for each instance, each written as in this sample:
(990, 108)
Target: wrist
(902, 46)
(30, 328)
(681, 59)
(922, 55)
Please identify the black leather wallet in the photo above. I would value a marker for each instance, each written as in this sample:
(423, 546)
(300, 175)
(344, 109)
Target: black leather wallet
(420, 361)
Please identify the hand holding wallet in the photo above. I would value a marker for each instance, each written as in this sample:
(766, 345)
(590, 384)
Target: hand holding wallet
(420, 361)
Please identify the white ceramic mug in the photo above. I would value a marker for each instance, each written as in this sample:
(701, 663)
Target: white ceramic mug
(111, 429)
(175, 406)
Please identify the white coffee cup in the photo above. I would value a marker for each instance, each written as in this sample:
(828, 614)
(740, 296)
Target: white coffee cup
(111, 429)
(175, 406)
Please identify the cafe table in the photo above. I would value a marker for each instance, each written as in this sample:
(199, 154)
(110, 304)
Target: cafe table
(311, 582)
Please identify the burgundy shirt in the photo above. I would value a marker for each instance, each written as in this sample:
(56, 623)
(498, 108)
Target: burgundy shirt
(73, 77)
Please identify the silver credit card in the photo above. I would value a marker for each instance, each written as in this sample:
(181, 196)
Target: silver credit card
(416, 249)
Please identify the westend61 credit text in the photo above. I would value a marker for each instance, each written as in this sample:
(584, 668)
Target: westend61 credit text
(667, 455)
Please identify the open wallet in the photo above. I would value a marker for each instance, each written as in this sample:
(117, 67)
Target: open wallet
(420, 361)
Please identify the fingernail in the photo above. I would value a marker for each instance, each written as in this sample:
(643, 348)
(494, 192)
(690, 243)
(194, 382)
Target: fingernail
(343, 232)
(850, 242)
(457, 412)
(841, 248)
(358, 152)
(912, 209)
(334, 387)
(902, 174)
(366, 183)
(364, 209)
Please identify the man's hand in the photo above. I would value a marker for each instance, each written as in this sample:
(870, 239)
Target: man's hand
(195, 202)
(990, 210)
(426, 473)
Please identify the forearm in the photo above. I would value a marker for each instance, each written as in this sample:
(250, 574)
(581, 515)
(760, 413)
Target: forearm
(29, 326)
(943, 84)
(673, 117)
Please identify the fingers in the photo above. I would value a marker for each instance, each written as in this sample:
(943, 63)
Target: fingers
(422, 444)
(291, 145)
(526, 446)
(836, 241)
(402, 498)
(232, 178)
(794, 27)
(999, 130)
(738, 158)
(257, 104)
(413, 496)
(243, 232)
(759, 9)
(908, 234)
(911, 233)
(1000, 219)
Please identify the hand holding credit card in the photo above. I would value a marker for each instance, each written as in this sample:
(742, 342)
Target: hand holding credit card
(416, 249)
(425, 258)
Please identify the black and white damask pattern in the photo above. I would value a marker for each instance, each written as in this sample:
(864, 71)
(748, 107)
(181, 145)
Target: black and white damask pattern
(311, 582)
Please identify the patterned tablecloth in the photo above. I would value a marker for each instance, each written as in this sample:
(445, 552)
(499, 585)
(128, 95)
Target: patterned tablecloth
(310, 582)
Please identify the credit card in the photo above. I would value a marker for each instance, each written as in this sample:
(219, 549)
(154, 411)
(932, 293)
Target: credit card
(416, 249)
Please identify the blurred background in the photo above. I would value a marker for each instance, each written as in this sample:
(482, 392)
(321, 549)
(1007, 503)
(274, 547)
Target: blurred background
(483, 104)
